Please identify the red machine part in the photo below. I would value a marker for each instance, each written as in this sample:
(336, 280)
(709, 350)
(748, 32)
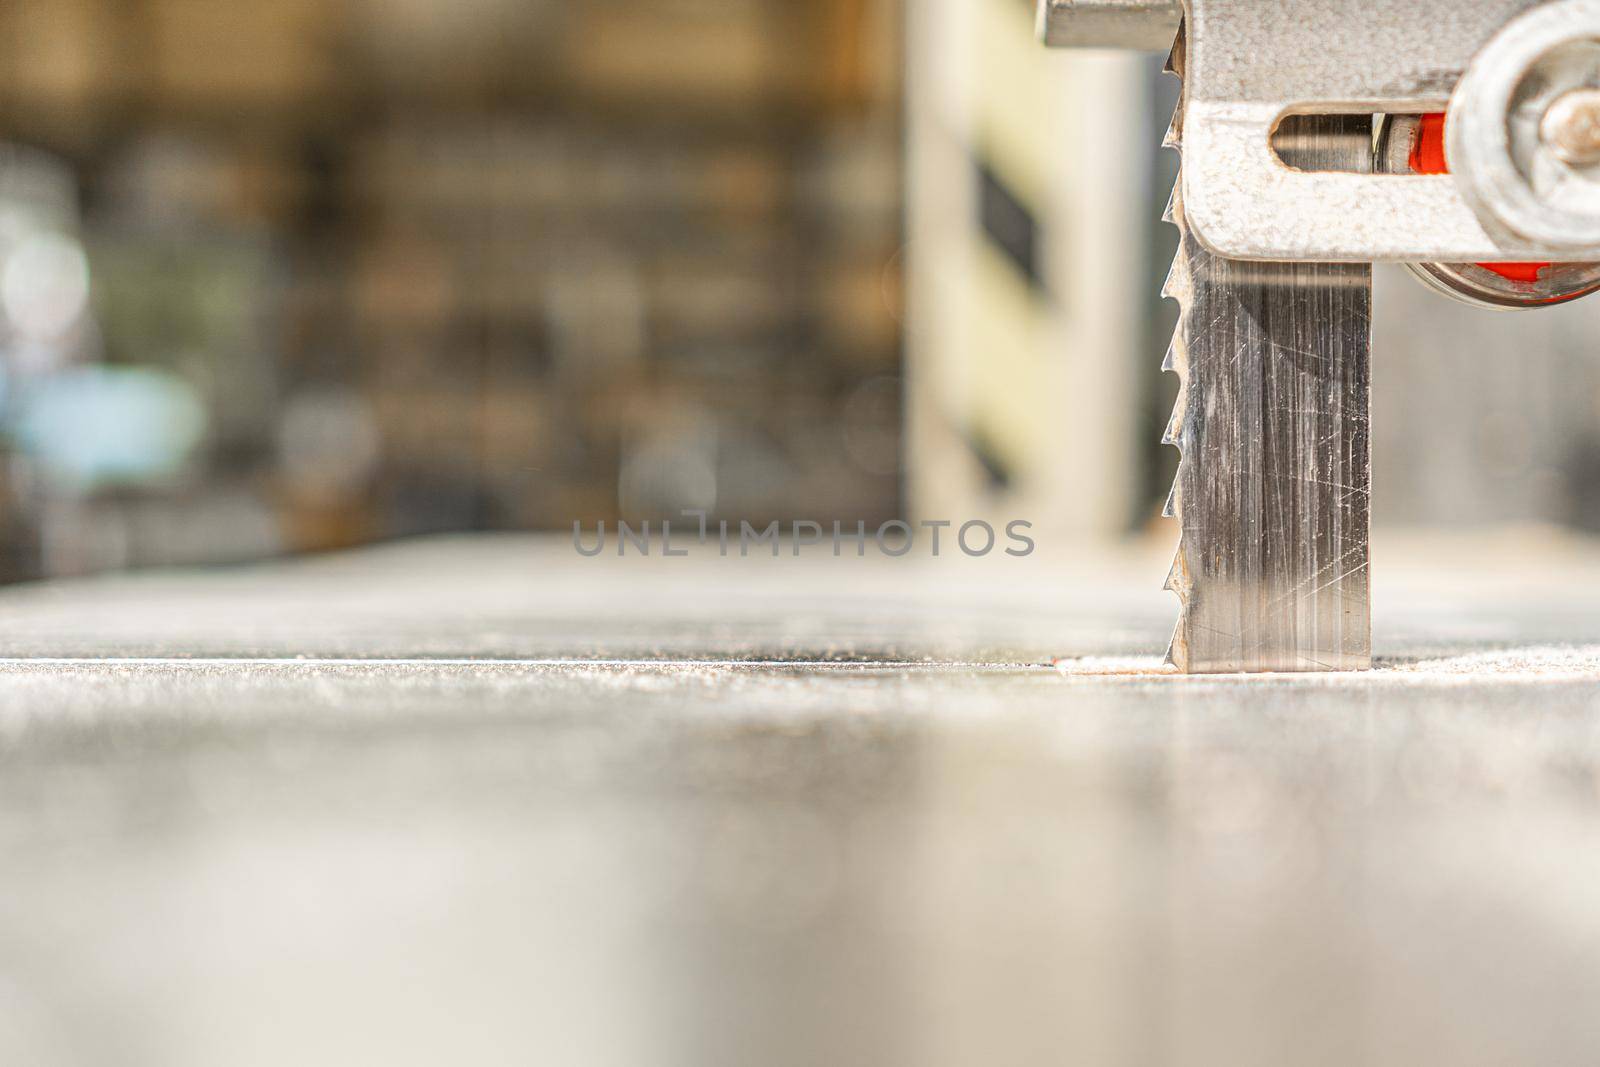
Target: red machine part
(1428, 157)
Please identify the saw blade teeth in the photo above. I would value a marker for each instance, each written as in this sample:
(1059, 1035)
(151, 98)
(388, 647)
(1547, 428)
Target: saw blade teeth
(1173, 434)
(1179, 585)
(1177, 362)
(1178, 285)
(1174, 66)
(1173, 138)
(1178, 578)
(1178, 653)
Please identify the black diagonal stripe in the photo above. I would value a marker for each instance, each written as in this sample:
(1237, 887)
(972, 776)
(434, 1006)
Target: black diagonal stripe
(1008, 223)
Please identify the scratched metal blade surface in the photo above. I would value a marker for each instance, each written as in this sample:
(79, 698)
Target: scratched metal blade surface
(1272, 421)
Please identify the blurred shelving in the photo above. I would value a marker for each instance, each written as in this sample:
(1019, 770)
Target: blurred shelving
(481, 260)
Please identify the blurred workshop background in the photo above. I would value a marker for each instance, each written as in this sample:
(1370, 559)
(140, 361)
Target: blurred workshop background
(293, 276)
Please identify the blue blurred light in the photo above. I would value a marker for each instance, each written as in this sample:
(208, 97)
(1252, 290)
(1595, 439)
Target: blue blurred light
(99, 425)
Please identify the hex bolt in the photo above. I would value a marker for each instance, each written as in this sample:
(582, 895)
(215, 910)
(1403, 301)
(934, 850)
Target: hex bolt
(1571, 127)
